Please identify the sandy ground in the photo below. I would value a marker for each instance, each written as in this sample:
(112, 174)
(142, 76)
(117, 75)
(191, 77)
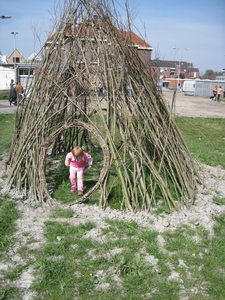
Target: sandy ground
(31, 225)
(184, 106)
(6, 108)
(201, 213)
(191, 106)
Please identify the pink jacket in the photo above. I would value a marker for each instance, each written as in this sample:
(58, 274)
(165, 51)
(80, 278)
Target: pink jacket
(70, 161)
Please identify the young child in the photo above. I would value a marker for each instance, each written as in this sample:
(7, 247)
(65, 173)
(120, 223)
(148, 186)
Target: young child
(76, 160)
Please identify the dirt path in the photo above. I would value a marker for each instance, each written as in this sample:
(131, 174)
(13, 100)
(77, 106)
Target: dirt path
(191, 106)
(6, 108)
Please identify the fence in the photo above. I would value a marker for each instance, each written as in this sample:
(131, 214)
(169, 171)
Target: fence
(204, 87)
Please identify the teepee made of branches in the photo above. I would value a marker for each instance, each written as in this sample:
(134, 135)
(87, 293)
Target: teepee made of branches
(130, 119)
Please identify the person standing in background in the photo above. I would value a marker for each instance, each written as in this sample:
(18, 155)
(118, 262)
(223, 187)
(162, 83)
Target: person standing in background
(214, 92)
(12, 92)
(100, 89)
(219, 92)
(19, 91)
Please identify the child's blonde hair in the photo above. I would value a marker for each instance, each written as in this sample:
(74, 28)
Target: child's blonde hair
(77, 152)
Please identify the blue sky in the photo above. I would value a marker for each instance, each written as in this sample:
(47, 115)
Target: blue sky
(196, 25)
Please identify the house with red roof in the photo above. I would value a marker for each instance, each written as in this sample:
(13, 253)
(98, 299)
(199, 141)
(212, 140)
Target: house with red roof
(94, 30)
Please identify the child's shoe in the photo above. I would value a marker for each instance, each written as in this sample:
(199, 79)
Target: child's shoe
(73, 189)
(80, 193)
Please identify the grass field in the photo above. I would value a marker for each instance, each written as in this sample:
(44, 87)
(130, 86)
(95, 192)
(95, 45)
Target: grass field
(127, 261)
(7, 129)
(4, 94)
(205, 138)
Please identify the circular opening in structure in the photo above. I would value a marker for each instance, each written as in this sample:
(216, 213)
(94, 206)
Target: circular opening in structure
(44, 152)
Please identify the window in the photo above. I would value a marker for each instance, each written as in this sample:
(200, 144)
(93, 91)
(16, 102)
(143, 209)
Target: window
(26, 72)
(172, 71)
(16, 60)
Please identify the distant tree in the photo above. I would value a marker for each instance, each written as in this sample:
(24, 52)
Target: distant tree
(210, 74)
(218, 73)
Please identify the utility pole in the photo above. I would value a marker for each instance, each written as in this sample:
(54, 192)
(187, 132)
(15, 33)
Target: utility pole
(178, 49)
(14, 57)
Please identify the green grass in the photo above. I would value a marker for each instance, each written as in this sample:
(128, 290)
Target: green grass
(205, 138)
(214, 266)
(8, 215)
(125, 261)
(7, 122)
(77, 267)
(128, 263)
(4, 94)
(203, 257)
(58, 212)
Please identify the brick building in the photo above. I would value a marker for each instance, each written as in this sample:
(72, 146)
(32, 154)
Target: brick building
(171, 74)
(87, 29)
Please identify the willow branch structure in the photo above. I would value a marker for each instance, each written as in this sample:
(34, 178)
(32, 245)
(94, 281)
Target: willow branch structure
(130, 120)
